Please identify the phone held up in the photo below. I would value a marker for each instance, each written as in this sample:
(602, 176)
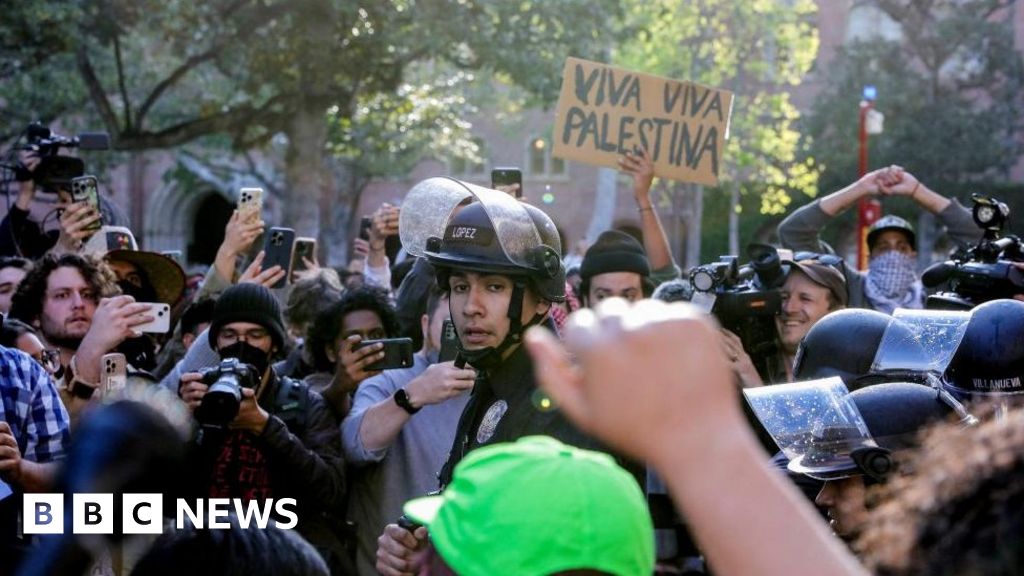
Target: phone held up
(364, 228)
(250, 204)
(161, 323)
(397, 353)
(278, 252)
(114, 373)
(87, 189)
(305, 249)
(502, 178)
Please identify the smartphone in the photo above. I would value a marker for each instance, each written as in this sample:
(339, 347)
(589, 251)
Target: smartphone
(113, 372)
(278, 252)
(304, 248)
(501, 177)
(176, 256)
(161, 323)
(397, 353)
(449, 342)
(364, 228)
(87, 189)
(250, 204)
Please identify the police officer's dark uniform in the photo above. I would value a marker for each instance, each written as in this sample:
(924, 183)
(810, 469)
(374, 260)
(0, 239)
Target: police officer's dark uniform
(495, 234)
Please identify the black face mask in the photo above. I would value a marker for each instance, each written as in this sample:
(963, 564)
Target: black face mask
(247, 354)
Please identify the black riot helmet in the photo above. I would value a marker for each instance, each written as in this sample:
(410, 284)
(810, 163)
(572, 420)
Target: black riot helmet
(894, 413)
(828, 432)
(990, 358)
(843, 344)
(460, 226)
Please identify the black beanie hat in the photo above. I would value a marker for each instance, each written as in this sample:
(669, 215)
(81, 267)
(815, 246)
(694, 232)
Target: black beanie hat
(615, 251)
(248, 302)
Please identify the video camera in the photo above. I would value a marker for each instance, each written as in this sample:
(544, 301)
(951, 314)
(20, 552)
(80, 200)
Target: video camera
(224, 396)
(745, 299)
(56, 171)
(982, 272)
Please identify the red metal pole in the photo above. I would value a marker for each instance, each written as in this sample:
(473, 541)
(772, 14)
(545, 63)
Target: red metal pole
(868, 209)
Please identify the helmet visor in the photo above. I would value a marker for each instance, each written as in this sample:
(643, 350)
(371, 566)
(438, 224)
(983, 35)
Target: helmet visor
(921, 341)
(429, 205)
(814, 423)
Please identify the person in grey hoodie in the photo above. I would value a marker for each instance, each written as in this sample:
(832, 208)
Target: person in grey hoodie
(891, 280)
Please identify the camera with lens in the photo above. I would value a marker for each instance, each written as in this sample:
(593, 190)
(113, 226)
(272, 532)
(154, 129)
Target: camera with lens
(745, 299)
(984, 271)
(224, 395)
(56, 171)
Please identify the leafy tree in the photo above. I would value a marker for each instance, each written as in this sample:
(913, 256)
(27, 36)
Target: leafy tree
(161, 74)
(758, 50)
(950, 85)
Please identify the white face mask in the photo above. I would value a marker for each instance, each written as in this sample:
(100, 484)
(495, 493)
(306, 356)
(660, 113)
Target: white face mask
(892, 274)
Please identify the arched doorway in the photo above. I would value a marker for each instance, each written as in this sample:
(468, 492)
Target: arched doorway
(212, 213)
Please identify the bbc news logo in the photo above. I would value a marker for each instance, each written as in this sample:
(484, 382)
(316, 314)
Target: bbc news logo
(144, 513)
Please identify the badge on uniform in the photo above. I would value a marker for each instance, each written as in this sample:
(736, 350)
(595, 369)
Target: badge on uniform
(490, 421)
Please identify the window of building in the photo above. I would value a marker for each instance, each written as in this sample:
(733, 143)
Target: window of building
(542, 163)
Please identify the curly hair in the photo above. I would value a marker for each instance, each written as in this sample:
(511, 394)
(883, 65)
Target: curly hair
(27, 303)
(328, 321)
(958, 509)
(310, 295)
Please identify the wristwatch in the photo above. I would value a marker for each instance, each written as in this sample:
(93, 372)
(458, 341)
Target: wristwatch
(402, 399)
(80, 389)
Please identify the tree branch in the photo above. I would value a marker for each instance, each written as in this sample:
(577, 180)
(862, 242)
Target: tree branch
(229, 121)
(96, 92)
(173, 78)
(126, 103)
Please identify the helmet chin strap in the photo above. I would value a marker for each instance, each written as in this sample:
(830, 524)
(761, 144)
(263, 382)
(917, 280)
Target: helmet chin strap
(491, 356)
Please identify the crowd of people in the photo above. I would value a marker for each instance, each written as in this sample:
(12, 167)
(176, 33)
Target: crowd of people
(586, 422)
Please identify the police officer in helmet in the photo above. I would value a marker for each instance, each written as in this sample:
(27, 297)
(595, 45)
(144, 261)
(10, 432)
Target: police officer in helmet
(500, 261)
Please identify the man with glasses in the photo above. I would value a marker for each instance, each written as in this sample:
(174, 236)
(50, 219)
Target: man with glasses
(283, 442)
(33, 437)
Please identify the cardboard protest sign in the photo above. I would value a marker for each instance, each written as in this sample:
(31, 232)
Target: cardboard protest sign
(604, 111)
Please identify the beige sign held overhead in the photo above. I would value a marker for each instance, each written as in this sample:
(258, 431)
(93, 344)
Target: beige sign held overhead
(604, 112)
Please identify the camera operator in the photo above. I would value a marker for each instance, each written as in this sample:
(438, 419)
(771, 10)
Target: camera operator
(282, 441)
(811, 291)
(22, 236)
(891, 280)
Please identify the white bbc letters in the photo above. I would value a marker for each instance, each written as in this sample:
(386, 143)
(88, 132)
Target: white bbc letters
(142, 513)
(93, 513)
(43, 514)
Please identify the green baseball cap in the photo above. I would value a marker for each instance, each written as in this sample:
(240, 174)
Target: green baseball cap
(536, 507)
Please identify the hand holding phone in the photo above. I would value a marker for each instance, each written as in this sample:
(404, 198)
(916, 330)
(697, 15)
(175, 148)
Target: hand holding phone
(365, 223)
(397, 353)
(304, 249)
(278, 252)
(250, 204)
(508, 180)
(161, 323)
(113, 373)
(86, 189)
